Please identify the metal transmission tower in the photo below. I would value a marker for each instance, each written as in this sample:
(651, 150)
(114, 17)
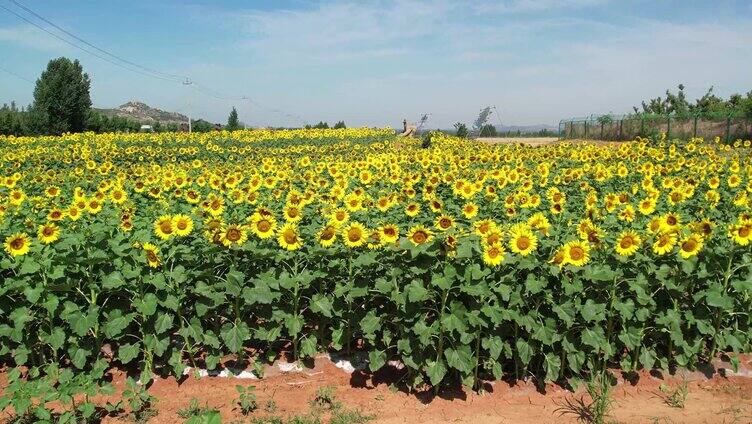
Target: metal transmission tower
(482, 119)
(422, 121)
(497, 116)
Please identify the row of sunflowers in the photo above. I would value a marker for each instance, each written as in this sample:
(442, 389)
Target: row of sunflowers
(464, 261)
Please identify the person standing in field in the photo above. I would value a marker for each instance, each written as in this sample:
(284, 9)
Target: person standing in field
(407, 130)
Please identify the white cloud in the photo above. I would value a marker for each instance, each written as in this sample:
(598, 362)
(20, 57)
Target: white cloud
(520, 6)
(538, 60)
(32, 37)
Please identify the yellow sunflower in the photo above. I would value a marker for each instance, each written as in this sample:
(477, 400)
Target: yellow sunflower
(263, 226)
(74, 213)
(118, 196)
(55, 215)
(444, 222)
(182, 224)
(163, 227)
(664, 243)
(327, 235)
(576, 253)
(339, 216)
(628, 243)
(233, 235)
(647, 206)
(558, 258)
(48, 233)
(741, 234)
(484, 226)
(375, 240)
(419, 235)
(292, 213)
(493, 255)
(690, 246)
(469, 210)
(17, 244)
(539, 222)
(94, 206)
(523, 241)
(412, 209)
(670, 222)
(16, 197)
(152, 255)
(654, 226)
(389, 233)
(354, 234)
(126, 225)
(289, 238)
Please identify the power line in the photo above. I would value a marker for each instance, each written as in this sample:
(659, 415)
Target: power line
(74, 36)
(127, 64)
(79, 47)
(8, 71)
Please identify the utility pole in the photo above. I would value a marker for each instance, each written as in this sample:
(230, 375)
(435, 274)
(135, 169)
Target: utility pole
(188, 82)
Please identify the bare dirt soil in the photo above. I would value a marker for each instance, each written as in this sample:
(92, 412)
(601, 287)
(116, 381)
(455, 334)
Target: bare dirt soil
(712, 398)
(541, 141)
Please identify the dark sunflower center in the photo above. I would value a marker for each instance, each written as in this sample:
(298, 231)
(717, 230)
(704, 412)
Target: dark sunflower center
(233, 234)
(327, 234)
(576, 253)
(689, 245)
(354, 234)
(264, 226)
(166, 227)
(17, 243)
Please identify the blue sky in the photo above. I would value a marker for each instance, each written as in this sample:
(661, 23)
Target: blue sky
(375, 62)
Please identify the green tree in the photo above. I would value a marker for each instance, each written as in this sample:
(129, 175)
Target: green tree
(340, 124)
(460, 130)
(13, 121)
(322, 125)
(61, 98)
(487, 130)
(232, 120)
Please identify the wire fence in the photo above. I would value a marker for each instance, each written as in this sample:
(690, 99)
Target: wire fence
(728, 127)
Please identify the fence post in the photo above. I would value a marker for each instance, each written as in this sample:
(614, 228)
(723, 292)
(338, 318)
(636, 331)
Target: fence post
(668, 126)
(585, 129)
(694, 128)
(621, 124)
(602, 130)
(728, 129)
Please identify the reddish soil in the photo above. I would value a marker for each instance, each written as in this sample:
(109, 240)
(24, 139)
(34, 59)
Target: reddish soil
(717, 399)
(544, 141)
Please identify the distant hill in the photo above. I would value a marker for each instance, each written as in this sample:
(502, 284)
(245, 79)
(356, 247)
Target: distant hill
(144, 113)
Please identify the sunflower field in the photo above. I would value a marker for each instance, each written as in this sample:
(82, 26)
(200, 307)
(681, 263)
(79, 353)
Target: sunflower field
(463, 261)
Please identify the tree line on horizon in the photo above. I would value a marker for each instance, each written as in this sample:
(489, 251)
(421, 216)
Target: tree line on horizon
(62, 103)
(709, 104)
